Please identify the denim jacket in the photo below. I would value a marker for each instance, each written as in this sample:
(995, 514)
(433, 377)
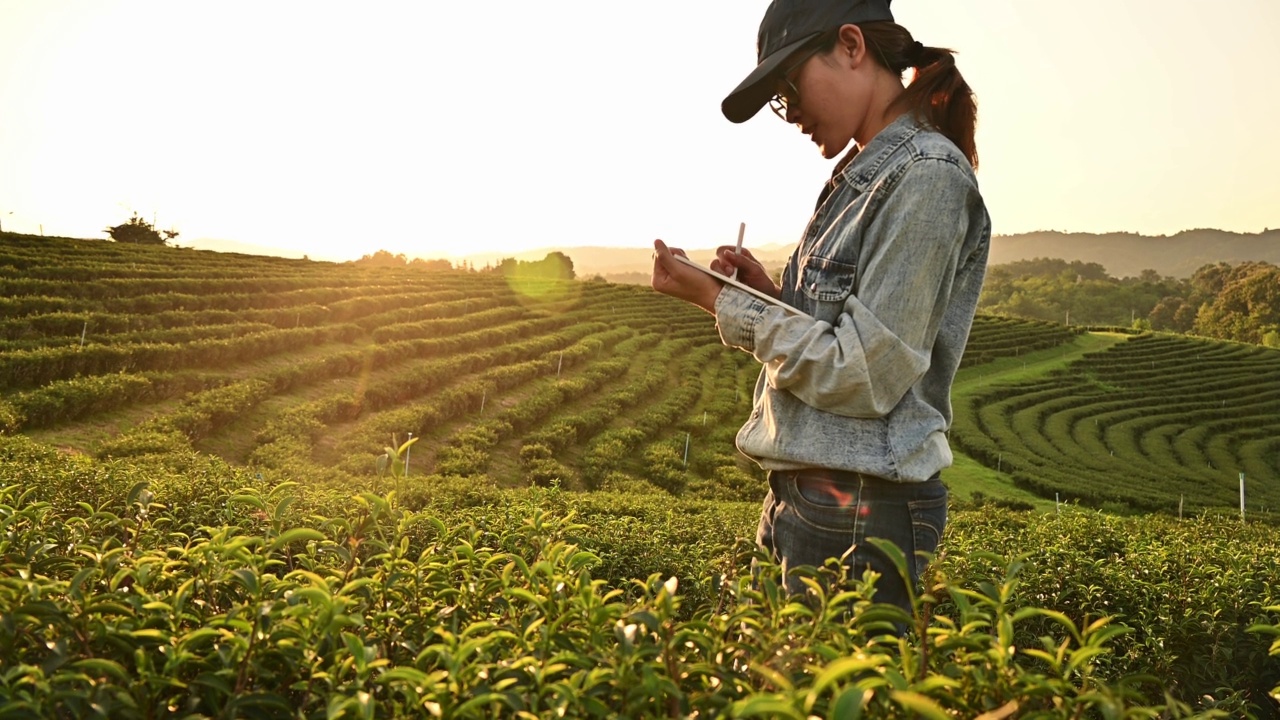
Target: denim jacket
(889, 271)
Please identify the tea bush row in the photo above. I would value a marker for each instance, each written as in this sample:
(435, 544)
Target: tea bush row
(466, 452)
(458, 398)
(200, 415)
(540, 446)
(32, 368)
(166, 302)
(125, 287)
(190, 589)
(78, 397)
(174, 335)
(443, 360)
(71, 324)
(1109, 429)
(993, 337)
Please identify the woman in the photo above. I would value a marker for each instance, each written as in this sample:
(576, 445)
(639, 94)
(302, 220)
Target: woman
(853, 402)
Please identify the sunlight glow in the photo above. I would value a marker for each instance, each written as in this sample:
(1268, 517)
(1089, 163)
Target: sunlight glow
(335, 131)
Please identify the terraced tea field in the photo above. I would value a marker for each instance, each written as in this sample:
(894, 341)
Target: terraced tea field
(1149, 422)
(313, 370)
(205, 519)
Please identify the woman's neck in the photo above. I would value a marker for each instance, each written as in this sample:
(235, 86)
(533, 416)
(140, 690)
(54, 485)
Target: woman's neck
(882, 109)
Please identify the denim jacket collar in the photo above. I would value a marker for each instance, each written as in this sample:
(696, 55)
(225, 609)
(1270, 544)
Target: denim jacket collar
(861, 164)
(866, 164)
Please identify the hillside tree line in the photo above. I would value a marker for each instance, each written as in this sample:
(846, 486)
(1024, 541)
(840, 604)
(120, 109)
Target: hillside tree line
(1224, 301)
(385, 259)
(555, 266)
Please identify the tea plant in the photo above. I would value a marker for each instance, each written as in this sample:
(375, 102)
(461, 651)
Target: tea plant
(186, 588)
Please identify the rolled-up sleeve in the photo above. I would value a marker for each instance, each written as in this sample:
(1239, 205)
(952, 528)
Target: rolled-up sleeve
(738, 314)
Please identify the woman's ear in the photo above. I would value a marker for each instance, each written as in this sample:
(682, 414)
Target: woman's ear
(850, 44)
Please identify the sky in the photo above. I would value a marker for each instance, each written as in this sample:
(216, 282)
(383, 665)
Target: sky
(438, 129)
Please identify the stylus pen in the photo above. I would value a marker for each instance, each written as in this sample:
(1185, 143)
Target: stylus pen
(742, 229)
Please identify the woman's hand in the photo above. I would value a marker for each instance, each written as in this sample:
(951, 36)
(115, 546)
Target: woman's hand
(750, 272)
(674, 278)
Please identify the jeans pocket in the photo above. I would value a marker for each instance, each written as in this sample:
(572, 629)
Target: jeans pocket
(810, 526)
(822, 501)
(928, 519)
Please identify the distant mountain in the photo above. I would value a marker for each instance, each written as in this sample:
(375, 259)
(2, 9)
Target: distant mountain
(1122, 254)
(1128, 254)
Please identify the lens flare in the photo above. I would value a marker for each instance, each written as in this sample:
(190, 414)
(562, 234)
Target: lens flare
(543, 287)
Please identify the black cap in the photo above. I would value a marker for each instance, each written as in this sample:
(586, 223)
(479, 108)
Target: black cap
(787, 26)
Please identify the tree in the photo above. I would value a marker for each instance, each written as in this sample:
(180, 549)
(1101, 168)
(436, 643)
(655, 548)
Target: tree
(1247, 306)
(1173, 313)
(1207, 281)
(140, 232)
(555, 266)
(1149, 276)
(559, 265)
(436, 265)
(382, 259)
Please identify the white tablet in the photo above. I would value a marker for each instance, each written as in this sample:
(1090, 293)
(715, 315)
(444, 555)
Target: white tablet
(741, 286)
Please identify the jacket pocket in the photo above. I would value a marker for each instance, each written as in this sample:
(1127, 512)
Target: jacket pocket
(827, 284)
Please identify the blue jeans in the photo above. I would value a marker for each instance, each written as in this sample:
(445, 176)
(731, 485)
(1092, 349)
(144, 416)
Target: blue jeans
(814, 514)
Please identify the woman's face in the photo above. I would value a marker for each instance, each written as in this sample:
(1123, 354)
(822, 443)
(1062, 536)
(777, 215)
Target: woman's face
(833, 91)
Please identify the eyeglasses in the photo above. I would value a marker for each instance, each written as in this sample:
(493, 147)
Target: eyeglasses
(780, 100)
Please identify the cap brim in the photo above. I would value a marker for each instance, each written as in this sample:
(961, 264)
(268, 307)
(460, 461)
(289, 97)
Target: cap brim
(751, 94)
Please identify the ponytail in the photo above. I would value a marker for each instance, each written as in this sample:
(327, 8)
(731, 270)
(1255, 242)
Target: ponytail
(937, 94)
